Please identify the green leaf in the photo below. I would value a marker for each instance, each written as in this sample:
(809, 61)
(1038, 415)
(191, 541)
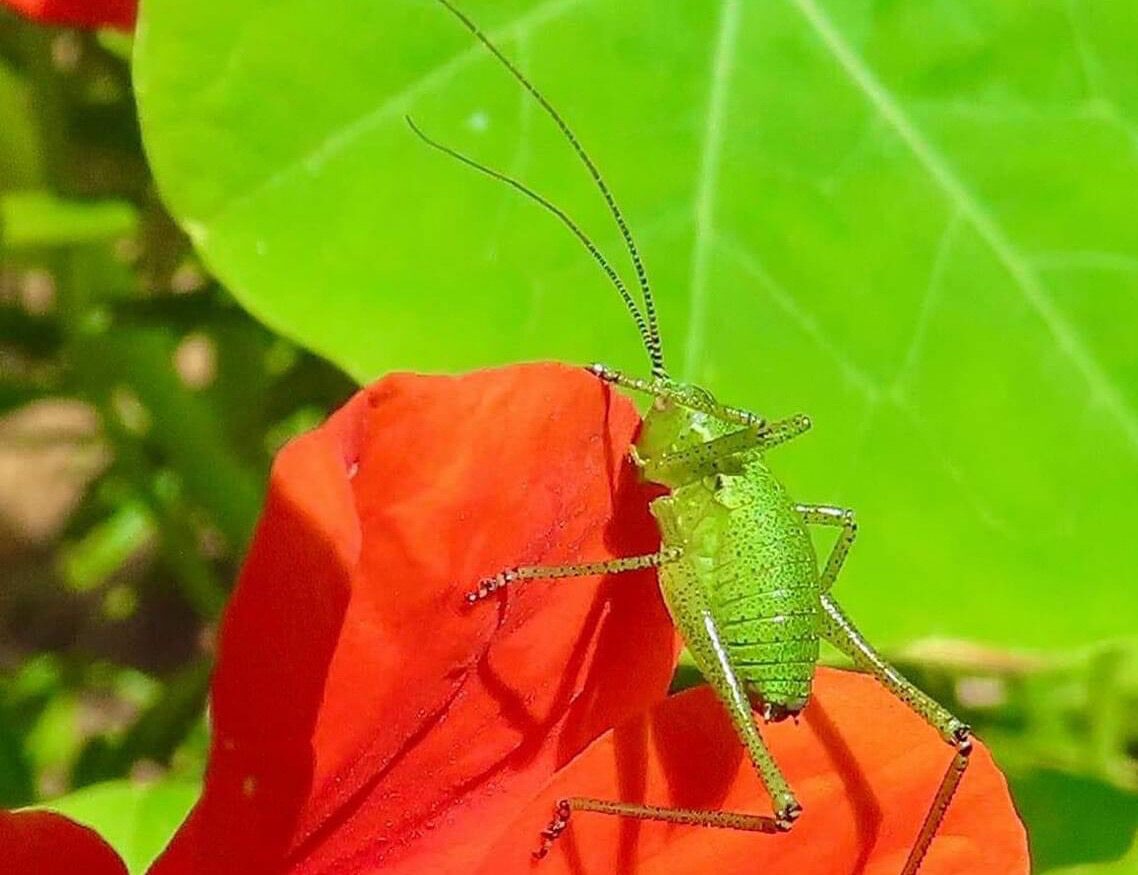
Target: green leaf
(912, 220)
(39, 218)
(137, 820)
(55, 736)
(16, 394)
(162, 727)
(1055, 807)
(20, 157)
(29, 333)
(92, 559)
(16, 786)
(133, 365)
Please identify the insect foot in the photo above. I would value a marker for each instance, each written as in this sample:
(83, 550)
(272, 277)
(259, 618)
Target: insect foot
(487, 586)
(777, 712)
(785, 817)
(550, 834)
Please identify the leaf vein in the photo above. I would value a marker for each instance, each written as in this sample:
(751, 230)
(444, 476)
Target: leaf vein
(723, 62)
(1026, 280)
(396, 105)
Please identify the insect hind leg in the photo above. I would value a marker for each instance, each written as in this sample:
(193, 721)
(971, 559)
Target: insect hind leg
(691, 612)
(841, 632)
(564, 808)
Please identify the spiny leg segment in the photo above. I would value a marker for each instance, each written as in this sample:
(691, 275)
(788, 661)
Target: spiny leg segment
(841, 632)
(659, 389)
(490, 585)
(828, 515)
(710, 454)
(564, 808)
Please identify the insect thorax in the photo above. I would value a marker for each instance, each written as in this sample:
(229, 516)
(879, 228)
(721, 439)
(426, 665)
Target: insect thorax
(669, 426)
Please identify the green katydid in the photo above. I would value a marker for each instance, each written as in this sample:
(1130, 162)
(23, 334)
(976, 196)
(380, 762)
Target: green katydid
(736, 566)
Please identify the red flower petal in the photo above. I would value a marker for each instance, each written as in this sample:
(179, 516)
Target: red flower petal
(79, 13)
(45, 843)
(864, 766)
(362, 713)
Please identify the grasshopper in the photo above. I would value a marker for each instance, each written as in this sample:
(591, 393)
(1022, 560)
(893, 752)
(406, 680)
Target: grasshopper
(736, 565)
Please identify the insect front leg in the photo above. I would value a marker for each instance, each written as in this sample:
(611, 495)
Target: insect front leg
(708, 456)
(490, 585)
(841, 632)
(827, 515)
(657, 389)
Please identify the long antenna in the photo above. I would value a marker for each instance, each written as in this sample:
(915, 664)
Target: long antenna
(621, 288)
(652, 342)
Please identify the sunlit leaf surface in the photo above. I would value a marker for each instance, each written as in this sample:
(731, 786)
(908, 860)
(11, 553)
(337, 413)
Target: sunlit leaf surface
(136, 820)
(913, 221)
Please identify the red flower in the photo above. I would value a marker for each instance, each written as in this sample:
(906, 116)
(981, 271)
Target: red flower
(79, 13)
(366, 719)
(362, 712)
(43, 843)
(864, 766)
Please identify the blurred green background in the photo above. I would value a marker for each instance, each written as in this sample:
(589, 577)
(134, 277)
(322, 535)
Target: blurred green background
(912, 221)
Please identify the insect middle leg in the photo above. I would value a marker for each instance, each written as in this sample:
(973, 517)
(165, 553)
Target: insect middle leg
(490, 585)
(827, 515)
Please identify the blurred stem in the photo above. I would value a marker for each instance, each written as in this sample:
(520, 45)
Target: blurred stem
(178, 544)
(95, 373)
(155, 735)
(182, 425)
(1104, 706)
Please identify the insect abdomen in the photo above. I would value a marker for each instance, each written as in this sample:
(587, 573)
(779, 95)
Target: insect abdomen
(749, 548)
(765, 595)
(774, 649)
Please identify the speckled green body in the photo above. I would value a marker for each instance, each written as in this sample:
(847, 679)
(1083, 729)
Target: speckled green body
(747, 586)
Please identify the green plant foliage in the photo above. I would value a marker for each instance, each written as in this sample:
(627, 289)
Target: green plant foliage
(1060, 806)
(38, 218)
(137, 820)
(913, 221)
(122, 359)
(17, 137)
